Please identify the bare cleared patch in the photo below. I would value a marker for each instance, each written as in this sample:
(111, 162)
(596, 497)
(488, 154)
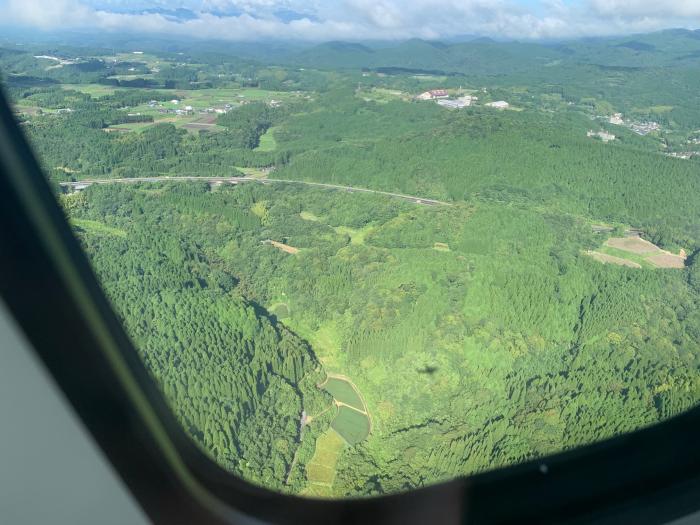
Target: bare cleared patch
(611, 259)
(281, 246)
(667, 260)
(633, 245)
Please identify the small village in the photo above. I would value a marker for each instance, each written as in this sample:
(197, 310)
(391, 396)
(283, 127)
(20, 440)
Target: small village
(640, 128)
(442, 98)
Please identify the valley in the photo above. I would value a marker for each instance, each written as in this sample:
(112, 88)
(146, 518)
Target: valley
(356, 270)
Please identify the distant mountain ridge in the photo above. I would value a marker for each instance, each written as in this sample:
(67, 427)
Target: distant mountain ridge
(487, 56)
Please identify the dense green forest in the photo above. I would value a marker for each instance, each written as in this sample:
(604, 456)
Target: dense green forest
(534, 346)
(336, 342)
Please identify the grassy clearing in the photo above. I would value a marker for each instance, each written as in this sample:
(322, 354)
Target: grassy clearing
(256, 173)
(97, 228)
(280, 310)
(308, 216)
(344, 392)
(320, 470)
(622, 254)
(325, 341)
(351, 425)
(133, 126)
(612, 259)
(383, 95)
(356, 236)
(94, 90)
(267, 141)
(429, 78)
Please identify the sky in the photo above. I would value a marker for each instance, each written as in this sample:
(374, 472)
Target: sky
(354, 20)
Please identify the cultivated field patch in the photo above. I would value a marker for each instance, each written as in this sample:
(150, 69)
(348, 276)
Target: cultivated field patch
(352, 425)
(611, 259)
(667, 260)
(344, 392)
(635, 252)
(633, 245)
(352, 420)
(320, 470)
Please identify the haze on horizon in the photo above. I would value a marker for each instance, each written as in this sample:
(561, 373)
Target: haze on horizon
(354, 20)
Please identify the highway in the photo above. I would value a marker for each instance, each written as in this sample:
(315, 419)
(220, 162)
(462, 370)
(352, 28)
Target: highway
(82, 184)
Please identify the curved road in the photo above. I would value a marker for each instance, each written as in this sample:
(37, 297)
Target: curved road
(80, 185)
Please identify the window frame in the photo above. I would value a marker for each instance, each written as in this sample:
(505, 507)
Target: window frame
(648, 476)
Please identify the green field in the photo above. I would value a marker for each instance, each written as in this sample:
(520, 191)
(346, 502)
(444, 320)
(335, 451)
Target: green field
(97, 228)
(96, 90)
(267, 141)
(352, 425)
(357, 236)
(344, 392)
(321, 469)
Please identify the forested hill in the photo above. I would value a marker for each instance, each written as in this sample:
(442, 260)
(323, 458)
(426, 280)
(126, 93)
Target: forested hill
(236, 379)
(677, 47)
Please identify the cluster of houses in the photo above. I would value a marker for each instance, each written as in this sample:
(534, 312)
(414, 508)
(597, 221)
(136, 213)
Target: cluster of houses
(186, 110)
(189, 110)
(685, 155)
(60, 61)
(442, 97)
(644, 128)
(640, 128)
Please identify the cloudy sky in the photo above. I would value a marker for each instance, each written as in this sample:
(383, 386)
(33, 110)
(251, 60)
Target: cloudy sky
(321, 20)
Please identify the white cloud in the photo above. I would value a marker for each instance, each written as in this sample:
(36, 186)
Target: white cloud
(646, 8)
(318, 20)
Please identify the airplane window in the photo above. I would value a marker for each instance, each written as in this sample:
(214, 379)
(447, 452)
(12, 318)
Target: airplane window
(363, 266)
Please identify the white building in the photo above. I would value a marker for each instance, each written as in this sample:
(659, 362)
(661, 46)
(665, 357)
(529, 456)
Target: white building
(602, 135)
(462, 102)
(617, 119)
(433, 94)
(499, 104)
